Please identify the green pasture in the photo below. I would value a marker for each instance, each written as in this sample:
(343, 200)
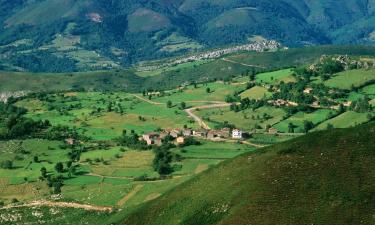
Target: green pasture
(275, 77)
(257, 93)
(246, 120)
(369, 90)
(105, 125)
(297, 119)
(347, 119)
(269, 138)
(351, 78)
(170, 68)
(218, 92)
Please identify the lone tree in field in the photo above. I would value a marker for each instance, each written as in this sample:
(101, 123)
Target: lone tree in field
(169, 104)
(7, 164)
(59, 167)
(183, 105)
(290, 128)
(208, 90)
(307, 125)
(43, 172)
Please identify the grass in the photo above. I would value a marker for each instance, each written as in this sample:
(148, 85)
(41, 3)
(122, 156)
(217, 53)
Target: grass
(311, 171)
(170, 68)
(106, 125)
(347, 119)
(256, 92)
(369, 90)
(276, 77)
(269, 138)
(218, 92)
(246, 120)
(297, 119)
(347, 79)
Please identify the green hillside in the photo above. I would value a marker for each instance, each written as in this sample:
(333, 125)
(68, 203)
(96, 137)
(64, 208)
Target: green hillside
(124, 32)
(172, 76)
(322, 178)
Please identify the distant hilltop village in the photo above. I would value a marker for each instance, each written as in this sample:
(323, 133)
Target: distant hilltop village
(4, 96)
(261, 46)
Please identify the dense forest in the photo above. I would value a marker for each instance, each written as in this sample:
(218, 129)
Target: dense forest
(124, 32)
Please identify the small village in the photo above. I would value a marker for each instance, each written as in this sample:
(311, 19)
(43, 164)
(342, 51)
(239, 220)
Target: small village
(181, 135)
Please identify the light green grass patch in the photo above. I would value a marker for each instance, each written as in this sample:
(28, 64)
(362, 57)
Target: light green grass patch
(257, 93)
(297, 119)
(347, 119)
(347, 79)
(275, 77)
(246, 120)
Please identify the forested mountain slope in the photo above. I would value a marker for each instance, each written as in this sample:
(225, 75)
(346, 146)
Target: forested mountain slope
(87, 34)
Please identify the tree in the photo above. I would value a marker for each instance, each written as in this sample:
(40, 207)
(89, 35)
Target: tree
(72, 171)
(290, 128)
(43, 172)
(169, 104)
(208, 90)
(36, 159)
(183, 105)
(7, 164)
(252, 75)
(59, 167)
(307, 125)
(329, 126)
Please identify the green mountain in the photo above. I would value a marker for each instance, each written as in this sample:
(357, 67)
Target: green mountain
(321, 178)
(87, 35)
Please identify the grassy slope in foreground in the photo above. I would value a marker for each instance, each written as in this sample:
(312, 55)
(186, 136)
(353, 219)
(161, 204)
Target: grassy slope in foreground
(322, 178)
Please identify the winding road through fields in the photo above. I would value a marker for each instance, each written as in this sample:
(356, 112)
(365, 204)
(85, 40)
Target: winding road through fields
(190, 111)
(199, 120)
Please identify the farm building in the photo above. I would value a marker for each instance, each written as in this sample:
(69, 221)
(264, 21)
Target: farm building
(236, 134)
(151, 138)
(175, 133)
(180, 140)
(272, 130)
(201, 133)
(187, 132)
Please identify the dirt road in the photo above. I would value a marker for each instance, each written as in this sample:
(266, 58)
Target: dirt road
(62, 205)
(243, 64)
(199, 120)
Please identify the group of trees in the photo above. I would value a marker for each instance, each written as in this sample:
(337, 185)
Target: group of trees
(15, 125)
(132, 140)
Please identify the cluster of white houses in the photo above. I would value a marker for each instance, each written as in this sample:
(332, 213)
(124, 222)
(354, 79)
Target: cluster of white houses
(155, 138)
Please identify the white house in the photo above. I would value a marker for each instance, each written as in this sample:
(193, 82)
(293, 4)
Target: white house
(236, 134)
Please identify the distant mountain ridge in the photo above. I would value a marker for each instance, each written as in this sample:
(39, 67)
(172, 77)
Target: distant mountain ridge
(88, 34)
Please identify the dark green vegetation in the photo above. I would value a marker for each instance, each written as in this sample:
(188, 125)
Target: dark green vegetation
(172, 77)
(322, 178)
(78, 135)
(79, 35)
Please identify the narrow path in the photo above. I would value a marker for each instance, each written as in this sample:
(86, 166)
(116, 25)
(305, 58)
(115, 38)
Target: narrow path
(129, 195)
(110, 177)
(62, 205)
(212, 104)
(243, 64)
(198, 119)
(147, 100)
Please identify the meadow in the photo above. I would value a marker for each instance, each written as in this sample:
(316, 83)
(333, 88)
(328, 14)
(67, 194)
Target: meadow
(352, 78)
(246, 120)
(124, 178)
(256, 93)
(347, 119)
(298, 119)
